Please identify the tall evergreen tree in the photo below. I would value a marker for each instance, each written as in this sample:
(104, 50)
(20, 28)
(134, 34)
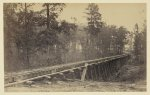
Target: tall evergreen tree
(93, 28)
(140, 45)
(94, 19)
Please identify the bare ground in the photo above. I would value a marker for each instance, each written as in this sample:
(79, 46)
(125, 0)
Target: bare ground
(86, 86)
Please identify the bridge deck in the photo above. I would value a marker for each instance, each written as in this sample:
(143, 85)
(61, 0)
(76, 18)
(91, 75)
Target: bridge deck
(15, 78)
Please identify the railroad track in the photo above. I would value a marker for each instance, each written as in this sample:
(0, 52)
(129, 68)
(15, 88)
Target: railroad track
(21, 77)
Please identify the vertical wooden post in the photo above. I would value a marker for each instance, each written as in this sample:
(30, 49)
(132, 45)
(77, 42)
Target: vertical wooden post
(110, 70)
(105, 71)
(84, 72)
(95, 73)
(91, 72)
(99, 72)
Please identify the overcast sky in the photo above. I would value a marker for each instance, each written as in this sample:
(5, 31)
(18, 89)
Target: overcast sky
(112, 13)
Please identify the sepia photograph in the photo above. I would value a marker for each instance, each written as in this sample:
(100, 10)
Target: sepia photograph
(75, 47)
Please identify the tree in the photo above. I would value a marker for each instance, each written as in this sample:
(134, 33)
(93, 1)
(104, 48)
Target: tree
(52, 11)
(140, 45)
(137, 46)
(48, 39)
(121, 39)
(94, 19)
(93, 28)
(67, 33)
(49, 36)
(143, 42)
(26, 36)
(10, 25)
(18, 31)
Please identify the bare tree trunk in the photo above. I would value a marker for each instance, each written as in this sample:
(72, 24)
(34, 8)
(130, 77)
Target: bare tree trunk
(47, 5)
(27, 50)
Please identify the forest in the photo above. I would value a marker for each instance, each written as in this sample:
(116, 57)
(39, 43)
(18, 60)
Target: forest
(35, 39)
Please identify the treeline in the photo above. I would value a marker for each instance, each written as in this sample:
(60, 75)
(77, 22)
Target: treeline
(25, 44)
(35, 39)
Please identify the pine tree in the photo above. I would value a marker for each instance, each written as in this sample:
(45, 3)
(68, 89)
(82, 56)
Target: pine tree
(93, 29)
(137, 45)
(94, 19)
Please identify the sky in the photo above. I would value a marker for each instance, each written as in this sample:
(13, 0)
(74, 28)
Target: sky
(119, 14)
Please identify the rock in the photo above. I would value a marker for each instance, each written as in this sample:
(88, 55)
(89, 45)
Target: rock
(60, 82)
(48, 82)
(29, 83)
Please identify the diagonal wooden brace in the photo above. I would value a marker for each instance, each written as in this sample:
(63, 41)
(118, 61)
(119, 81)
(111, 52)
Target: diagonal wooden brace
(84, 72)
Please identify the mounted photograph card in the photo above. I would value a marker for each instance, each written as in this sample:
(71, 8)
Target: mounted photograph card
(74, 47)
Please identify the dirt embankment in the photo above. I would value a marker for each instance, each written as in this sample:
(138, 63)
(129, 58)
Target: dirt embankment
(87, 86)
(132, 73)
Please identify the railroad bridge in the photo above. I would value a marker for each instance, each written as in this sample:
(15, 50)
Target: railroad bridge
(97, 69)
